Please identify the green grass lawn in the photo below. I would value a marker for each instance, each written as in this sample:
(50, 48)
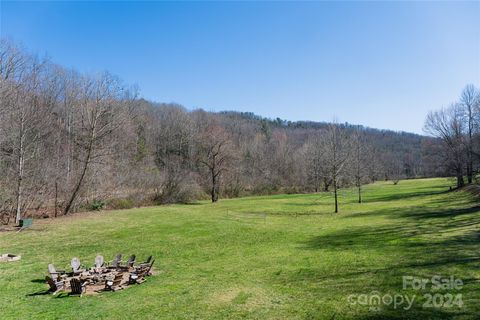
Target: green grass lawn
(272, 257)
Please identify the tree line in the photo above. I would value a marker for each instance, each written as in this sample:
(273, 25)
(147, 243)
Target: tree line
(71, 141)
(458, 127)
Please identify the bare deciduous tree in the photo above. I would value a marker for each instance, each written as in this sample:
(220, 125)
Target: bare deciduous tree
(103, 108)
(447, 125)
(336, 147)
(68, 139)
(470, 100)
(215, 153)
(360, 160)
(25, 118)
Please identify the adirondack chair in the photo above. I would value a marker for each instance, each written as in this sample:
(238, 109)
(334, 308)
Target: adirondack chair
(99, 262)
(133, 278)
(149, 269)
(77, 287)
(116, 261)
(75, 263)
(115, 283)
(55, 286)
(131, 261)
(142, 271)
(129, 264)
(54, 273)
(146, 263)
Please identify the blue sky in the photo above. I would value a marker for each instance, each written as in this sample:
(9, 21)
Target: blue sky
(380, 64)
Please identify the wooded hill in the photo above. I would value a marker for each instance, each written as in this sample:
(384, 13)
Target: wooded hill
(72, 141)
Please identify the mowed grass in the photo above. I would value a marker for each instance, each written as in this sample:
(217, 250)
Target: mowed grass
(272, 257)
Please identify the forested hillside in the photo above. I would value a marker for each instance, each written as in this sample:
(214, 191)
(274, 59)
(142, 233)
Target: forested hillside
(72, 141)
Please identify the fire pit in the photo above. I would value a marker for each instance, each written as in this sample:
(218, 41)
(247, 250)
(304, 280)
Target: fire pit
(112, 276)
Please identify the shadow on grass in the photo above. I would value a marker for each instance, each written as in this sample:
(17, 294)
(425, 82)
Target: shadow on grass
(416, 312)
(425, 211)
(425, 228)
(38, 293)
(423, 242)
(38, 281)
(367, 198)
(404, 195)
(448, 213)
(192, 204)
(62, 295)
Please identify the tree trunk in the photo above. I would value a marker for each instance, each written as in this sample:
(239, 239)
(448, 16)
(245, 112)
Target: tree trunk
(20, 173)
(470, 169)
(326, 185)
(359, 193)
(336, 196)
(470, 147)
(56, 197)
(214, 192)
(460, 182)
(80, 180)
(19, 197)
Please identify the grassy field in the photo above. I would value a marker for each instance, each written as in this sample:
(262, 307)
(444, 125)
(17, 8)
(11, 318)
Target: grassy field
(275, 257)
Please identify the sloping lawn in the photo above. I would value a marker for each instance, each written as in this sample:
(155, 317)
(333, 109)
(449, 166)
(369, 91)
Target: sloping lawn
(275, 257)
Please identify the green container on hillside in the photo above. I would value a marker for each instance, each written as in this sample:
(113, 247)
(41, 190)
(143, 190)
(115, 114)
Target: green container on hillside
(24, 223)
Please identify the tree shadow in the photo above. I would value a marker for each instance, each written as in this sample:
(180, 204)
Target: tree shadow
(418, 241)
(403, 195)
(422, 222)
(63, 295)
(39, 293)
(38, 281)
(416, 312)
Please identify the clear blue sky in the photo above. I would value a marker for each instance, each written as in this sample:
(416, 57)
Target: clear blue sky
(380, 64)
